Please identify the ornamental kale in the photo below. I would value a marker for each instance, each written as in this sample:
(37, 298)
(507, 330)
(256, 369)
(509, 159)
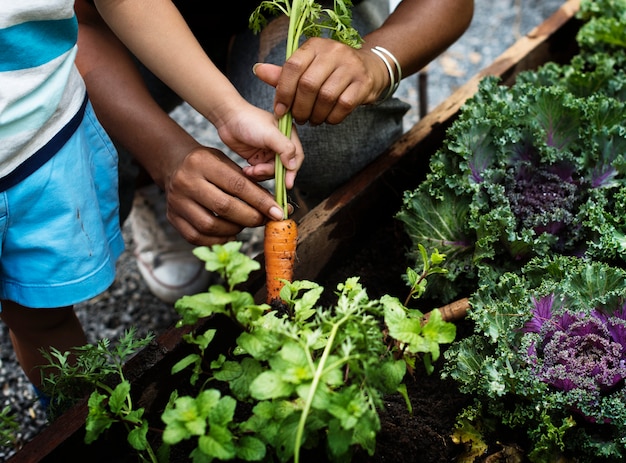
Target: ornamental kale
(548, 359)
(577, 350)
(535, 169)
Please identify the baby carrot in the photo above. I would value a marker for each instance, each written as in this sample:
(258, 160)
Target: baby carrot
(280, 241)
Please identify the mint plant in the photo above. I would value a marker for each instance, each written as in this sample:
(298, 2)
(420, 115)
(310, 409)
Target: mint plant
(311, 377)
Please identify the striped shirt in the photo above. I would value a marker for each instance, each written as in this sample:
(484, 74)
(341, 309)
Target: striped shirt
(42, 95)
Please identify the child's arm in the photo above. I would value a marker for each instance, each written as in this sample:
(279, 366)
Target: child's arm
(157, 34)
(209, 198)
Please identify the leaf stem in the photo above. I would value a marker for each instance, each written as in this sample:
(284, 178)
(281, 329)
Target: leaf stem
(314, 385)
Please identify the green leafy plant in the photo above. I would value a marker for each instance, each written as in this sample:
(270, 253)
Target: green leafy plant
(531, 170)
(305, 377)
(309, 377)
(97, 370)
(526, 199)
(548, 360)
(307, 18)
(8, 427)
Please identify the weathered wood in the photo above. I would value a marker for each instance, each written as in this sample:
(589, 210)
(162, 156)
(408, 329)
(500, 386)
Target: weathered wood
(372, 196)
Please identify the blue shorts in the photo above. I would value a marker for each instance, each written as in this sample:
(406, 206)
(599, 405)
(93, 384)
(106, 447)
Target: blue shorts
(59, 227)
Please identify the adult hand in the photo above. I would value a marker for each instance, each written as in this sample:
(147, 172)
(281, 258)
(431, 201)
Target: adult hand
(324, 81)
(210, 199)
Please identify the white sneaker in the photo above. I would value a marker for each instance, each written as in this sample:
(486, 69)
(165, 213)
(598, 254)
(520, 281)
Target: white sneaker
(164, 258)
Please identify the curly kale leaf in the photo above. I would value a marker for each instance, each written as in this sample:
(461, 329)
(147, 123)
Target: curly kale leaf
(438, 223)
(604, 25)
(536, 169)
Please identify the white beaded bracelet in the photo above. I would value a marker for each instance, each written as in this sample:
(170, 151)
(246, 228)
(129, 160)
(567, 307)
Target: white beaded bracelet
(394, 81)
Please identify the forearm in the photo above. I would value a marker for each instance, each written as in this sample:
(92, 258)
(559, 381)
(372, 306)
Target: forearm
(157, 34)
(419, 30)
(122, 102)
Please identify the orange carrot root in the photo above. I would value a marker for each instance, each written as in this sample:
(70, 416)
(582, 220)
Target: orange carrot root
(280, 255)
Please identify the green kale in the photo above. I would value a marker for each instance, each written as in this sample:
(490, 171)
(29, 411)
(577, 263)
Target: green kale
(535, 169)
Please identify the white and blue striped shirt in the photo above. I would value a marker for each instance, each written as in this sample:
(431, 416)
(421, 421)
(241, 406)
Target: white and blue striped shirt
(42, 95)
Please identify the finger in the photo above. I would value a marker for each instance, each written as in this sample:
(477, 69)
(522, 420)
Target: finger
(199, 225)
(293, 160)
(317, 91)
(290, 79)
(345, 104)
(242, 201)
(267, 72)
(336, 95)
(290, 179)
(260, 172)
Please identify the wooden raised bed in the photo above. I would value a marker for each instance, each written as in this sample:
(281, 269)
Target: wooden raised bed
(340, 226)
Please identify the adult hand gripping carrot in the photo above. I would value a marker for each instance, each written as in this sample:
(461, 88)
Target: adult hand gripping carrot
(324, 81)
(210, 200)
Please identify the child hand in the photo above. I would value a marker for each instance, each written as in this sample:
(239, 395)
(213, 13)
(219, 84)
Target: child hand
(253, 134)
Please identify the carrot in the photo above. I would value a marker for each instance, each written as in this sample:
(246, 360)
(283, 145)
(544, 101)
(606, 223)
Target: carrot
(280, 241)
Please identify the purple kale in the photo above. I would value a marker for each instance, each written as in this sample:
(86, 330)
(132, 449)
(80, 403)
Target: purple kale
(542, 312)
(542, 200)
(578, 351)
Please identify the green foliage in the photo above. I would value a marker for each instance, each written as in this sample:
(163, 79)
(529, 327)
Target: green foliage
(8, 427)
(535, 169)
(98, 371)
(604, 25)
(313, 376)
(304, 377)
(311, 19)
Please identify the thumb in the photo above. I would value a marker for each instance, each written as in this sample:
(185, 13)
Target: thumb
(268, 73)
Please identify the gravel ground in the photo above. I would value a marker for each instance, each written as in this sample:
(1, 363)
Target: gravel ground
(496, 25)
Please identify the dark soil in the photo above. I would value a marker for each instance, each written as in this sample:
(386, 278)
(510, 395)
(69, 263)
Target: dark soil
(423, 436)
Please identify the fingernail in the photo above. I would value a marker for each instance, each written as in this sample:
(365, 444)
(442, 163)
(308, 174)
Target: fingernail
(276, 213)
(254, 68)
(280, 110)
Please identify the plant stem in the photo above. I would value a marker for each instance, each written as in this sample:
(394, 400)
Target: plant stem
(284, 124)
(314, 385)
(296, 24)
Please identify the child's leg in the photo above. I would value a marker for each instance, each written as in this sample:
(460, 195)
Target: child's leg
(35, 329)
